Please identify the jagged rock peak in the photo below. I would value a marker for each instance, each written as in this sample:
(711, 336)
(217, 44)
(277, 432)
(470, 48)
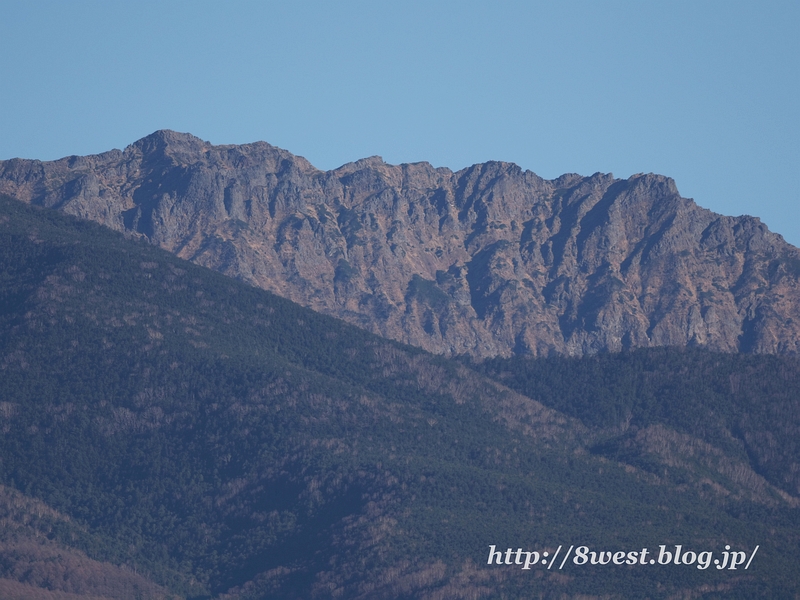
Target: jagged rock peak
(187, 149)
(489, 260)
(159, 141)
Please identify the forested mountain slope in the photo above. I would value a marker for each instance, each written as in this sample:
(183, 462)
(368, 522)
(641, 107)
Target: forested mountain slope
(662, 402)
(490, 260)
(210, 439)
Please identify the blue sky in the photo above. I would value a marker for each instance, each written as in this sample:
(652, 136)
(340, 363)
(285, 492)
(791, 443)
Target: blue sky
(705, 92)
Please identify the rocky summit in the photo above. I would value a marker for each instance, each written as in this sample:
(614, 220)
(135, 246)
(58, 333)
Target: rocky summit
(487, 261)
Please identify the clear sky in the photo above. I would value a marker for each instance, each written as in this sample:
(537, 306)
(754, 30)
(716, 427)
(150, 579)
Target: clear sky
(703, 91)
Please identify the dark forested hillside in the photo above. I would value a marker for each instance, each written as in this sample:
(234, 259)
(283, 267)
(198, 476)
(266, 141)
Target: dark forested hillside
(168, 430)
(746, 406)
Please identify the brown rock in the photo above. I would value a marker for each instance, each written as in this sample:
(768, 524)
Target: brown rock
(489, 260)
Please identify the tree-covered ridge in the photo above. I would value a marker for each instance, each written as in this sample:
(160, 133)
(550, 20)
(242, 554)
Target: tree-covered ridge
(37, 553)
(747, 407)
(220, 440)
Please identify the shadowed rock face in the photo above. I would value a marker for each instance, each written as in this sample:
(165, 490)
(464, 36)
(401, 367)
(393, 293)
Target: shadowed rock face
(490, 260)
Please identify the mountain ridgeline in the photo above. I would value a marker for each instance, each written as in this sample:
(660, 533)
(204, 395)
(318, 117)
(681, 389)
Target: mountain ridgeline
(487, 261)
(167, 432)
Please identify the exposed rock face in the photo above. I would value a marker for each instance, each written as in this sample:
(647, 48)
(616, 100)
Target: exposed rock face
(489, 260)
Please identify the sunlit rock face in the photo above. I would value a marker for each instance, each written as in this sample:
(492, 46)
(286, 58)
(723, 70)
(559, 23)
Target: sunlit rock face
(490, 260)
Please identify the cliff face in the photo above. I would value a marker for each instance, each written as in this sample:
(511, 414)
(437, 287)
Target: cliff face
(490, 260)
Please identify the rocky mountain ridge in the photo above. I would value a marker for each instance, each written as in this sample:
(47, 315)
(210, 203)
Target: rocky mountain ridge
(489, 260)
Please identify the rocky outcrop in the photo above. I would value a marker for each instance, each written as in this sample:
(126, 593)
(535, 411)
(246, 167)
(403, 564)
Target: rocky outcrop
(490, 260)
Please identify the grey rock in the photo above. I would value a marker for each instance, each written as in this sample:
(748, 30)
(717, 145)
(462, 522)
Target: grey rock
(490, 260)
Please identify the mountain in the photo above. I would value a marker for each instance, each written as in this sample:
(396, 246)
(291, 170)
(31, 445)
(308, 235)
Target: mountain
(166, 431)
(170, 432)
(487, 261)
